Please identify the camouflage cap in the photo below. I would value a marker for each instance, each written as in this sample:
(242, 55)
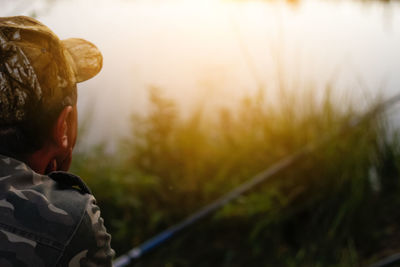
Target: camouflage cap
(38, 71)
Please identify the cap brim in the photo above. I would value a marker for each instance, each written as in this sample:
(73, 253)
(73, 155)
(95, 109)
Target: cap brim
(85, 58)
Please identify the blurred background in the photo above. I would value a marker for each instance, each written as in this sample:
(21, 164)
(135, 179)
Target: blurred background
(197, 96)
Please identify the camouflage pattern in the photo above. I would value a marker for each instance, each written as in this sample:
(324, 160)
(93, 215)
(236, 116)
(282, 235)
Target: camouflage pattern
(49, 220)
(38, 71)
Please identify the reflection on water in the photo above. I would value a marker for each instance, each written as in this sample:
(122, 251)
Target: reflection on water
(212, 53)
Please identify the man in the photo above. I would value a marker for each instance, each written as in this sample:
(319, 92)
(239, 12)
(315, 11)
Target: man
(48, 217)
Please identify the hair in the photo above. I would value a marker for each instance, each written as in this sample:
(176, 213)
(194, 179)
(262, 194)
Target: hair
(22, 139)
(19, 140)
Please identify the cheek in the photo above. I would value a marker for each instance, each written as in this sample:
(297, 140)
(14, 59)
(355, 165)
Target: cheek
(74, 128)
(75, 133)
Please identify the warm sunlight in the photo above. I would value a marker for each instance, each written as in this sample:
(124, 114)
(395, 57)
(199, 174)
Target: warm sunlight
(261, 121)
(217, 51)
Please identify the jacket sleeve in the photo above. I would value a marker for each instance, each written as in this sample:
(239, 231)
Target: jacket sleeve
(90, 244)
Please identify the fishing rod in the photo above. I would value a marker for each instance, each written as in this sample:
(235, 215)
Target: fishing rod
(395, 258)
(149, 245)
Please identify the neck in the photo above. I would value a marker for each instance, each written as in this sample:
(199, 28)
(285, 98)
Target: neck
(41, 161)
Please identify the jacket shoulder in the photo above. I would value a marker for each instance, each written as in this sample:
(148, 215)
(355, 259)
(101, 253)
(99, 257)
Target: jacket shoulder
(39, 214)
(70, 180)
(48, 209)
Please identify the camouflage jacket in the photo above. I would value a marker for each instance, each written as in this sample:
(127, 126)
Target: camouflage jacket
(49, 220)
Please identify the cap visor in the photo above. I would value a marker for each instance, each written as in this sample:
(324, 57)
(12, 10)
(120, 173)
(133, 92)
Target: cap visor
(86, 59)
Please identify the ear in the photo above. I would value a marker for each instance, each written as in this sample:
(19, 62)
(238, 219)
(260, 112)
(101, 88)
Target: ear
(61, 128)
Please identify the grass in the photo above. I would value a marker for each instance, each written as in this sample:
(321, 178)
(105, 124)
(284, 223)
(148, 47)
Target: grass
(335, 207)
